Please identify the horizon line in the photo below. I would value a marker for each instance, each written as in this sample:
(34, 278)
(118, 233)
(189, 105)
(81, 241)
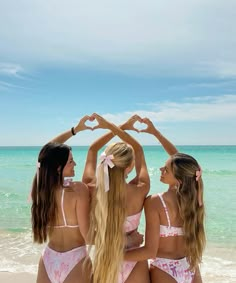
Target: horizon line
(142, 145)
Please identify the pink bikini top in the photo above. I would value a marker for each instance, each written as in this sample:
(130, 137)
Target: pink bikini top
(132, 222)
(169, 231)
(63, 214)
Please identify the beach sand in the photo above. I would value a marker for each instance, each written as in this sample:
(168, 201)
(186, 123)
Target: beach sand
(219, 266)
(24, 277)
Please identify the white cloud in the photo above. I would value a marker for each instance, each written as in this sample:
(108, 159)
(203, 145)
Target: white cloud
(168, 37)
(198, 109)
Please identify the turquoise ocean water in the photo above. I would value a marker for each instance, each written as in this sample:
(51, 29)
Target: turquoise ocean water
(18, 165)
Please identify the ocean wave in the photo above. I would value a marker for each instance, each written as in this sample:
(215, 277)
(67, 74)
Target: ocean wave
(9, 195)
(218, 270)
(15, 266)
(18, 253)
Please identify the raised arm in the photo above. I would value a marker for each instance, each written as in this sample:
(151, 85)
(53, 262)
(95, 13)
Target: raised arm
(142, 177)
(91, 160)
(74, 130)
(82, 207)
(168, 146)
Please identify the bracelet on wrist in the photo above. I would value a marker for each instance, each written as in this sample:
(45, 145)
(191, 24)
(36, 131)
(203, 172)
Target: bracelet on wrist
(73, 131)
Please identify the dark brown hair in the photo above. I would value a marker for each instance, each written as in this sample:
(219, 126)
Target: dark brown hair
(51, 162)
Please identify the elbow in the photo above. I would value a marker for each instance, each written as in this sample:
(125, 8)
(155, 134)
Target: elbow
(152, 255)
(146, 187)
(87, 239)
(86, 180)
(146, 191)
(151, 252)
(93, 149)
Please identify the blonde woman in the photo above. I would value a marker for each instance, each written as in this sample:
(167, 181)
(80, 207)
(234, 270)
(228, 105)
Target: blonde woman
(175, 235)
(60, 213)
(117, 205)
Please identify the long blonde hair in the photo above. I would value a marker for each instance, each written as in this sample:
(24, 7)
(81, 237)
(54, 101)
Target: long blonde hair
(108, 215)
(191, 206)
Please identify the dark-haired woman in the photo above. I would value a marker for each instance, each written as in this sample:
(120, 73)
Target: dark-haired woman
(60, 213)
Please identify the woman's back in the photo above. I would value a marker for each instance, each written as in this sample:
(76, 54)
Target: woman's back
(171, 243)
(66, 249)
(66, 233)
(117, 205)
(60, 216)
(174, 236)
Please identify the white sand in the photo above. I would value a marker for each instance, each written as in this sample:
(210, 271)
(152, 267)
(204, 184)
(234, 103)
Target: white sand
(20, 266)
(8, 277)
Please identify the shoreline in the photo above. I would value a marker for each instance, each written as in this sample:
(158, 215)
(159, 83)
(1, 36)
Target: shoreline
(19, 259)
(218, 266)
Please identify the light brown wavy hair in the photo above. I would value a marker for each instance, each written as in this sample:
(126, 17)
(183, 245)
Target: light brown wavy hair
(108, 215)
(52, 160)
(191, 206)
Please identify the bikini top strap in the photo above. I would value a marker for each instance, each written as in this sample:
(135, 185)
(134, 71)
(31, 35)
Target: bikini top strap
(165, 207)
(62, 206)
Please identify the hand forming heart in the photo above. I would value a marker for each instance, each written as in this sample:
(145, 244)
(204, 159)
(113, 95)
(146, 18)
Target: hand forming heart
(91, 123)
(140, 126)
(134, 123)
(85, 124)
(150, 127)
(96, 121)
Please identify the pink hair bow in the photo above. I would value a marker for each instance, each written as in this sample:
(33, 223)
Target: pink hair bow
(106, 161)
(67, 182)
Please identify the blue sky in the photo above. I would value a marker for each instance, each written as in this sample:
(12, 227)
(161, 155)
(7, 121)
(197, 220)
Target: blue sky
(171, 61)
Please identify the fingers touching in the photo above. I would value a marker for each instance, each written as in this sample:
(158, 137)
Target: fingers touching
(96, 121)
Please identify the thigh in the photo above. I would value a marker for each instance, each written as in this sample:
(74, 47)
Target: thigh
(140, 273)
(80, 273)
(42, 276)
(157, 275)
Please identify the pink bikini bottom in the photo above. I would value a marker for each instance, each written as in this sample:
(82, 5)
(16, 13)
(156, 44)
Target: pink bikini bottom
(126, 269)
(59, 265)
(176, 268)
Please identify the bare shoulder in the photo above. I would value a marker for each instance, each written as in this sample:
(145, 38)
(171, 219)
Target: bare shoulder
(170, 197)
(80, 189)
(134, 197)
(139, 187)
(151, 202)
